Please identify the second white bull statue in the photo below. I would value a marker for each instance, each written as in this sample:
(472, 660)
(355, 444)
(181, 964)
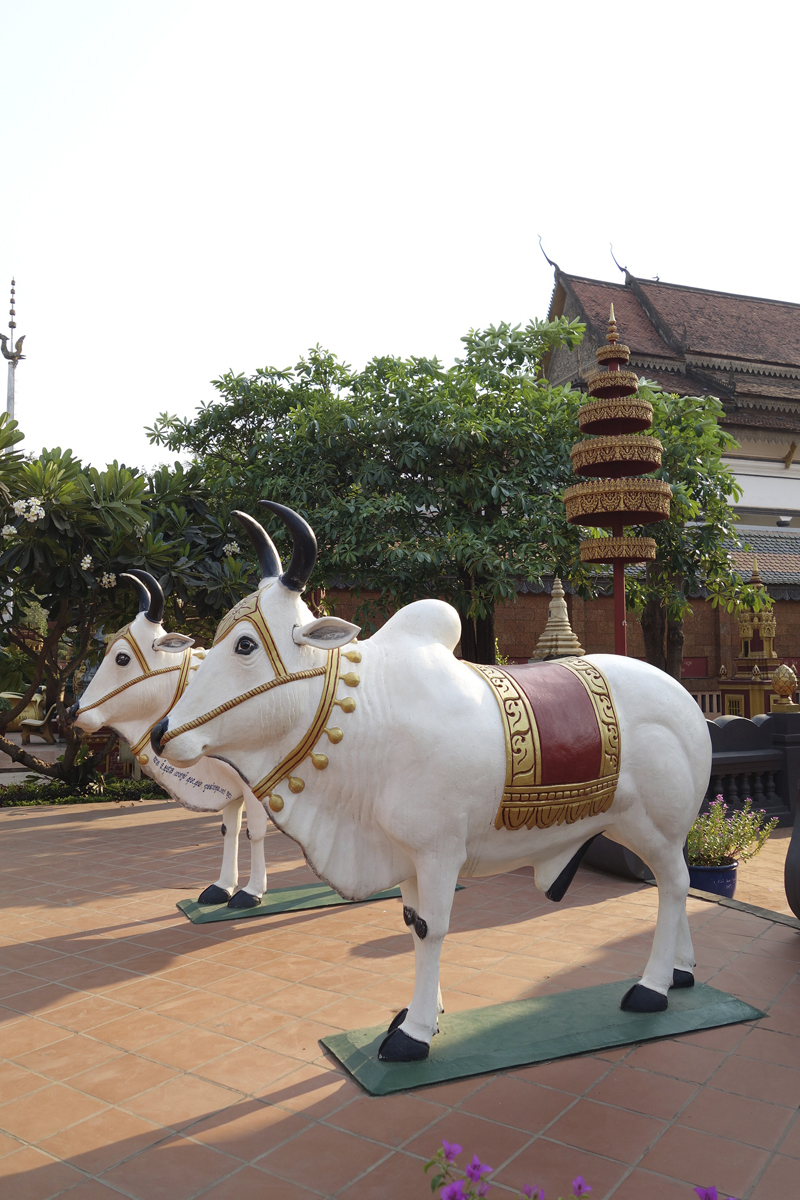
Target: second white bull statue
(393, 762)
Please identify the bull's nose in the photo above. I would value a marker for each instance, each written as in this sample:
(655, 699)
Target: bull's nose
(72, 711)
(157, 733)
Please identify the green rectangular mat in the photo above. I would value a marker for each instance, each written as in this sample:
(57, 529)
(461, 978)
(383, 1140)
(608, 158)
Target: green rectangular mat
(481, 1040)
(280, 900)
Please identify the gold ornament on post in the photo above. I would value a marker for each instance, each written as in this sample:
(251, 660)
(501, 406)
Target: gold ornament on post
(784, 682)
(612, 499)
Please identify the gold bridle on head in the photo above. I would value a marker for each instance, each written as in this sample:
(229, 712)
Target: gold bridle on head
(184, 667)
(249, 610)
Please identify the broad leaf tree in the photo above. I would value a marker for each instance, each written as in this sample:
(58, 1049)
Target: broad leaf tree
(419, 480)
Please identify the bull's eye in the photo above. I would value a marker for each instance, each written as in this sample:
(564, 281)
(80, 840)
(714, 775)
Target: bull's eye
(122, 659)
(246, 645)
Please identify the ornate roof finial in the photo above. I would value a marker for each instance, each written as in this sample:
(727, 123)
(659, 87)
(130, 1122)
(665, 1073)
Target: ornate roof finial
(755, 579)
(612, 336)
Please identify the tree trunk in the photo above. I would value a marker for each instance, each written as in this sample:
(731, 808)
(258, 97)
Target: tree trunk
(654, 628)
(484, 639)
(675, 639)
(469, 647)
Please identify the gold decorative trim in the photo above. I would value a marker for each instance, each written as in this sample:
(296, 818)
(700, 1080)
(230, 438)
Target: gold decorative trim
(306, 745)
(626, 549)
(609, 353)
(249, 609)
(625, 447)
(641, 500)
(613, 411)
(525, 802)
(599, 693)
(602, 381)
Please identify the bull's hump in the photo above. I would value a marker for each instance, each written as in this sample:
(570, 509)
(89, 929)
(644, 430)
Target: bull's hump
(424, 622)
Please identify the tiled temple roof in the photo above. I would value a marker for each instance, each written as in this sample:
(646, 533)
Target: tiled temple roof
(693, 341)
(778, 554)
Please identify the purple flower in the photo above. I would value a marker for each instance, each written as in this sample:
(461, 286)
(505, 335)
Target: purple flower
(451, 1151)
(476, 1169)
(533, 1193)
(454, 1191)
(580, 1187)
(706, 1193)
(482, 1190)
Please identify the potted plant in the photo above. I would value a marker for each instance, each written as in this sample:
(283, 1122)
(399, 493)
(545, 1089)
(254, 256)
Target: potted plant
(718, 843)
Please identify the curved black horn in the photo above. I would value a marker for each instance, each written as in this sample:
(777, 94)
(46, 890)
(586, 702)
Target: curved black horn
(155, 611)
(144, 595)
(304, 550)
(268, 558)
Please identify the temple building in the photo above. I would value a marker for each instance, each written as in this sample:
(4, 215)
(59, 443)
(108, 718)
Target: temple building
(691, 341)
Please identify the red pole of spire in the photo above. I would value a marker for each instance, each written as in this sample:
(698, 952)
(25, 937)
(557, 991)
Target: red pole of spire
(620, 624)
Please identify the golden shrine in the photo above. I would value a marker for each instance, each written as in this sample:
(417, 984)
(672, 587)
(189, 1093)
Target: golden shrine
(761, 683)
(613, 499)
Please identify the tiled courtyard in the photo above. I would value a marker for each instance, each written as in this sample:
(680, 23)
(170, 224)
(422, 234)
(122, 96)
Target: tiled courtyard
(148, 1058)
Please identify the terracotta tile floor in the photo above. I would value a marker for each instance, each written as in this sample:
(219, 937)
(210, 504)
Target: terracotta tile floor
(149, 1058)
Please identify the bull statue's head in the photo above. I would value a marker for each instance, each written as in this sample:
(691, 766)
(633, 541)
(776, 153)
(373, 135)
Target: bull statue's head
(261, 680)
(141, 654)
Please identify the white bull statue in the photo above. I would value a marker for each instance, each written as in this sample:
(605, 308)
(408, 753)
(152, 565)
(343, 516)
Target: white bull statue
(406, 766)
(144, 671)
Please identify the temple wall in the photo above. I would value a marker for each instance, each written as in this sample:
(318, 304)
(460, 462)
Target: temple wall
(711, 634)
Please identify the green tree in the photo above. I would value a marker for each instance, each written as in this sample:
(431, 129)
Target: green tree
(421, 480)
(691, 555)
(418, 480)
(70, 532)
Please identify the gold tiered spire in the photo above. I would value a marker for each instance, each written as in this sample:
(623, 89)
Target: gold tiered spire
(614, 497)
(558, 638)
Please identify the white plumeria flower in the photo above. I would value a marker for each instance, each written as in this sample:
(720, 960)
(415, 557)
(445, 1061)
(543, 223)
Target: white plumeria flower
(231, 548)
(108, 579)
(86, 562)
(8, 530)
(20, 506)
(34, 513)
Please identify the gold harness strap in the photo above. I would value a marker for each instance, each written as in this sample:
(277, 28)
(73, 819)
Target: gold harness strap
(183, 667)
(248, 610)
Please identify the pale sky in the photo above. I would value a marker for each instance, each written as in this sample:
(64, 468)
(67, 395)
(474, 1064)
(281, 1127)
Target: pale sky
(190, 187)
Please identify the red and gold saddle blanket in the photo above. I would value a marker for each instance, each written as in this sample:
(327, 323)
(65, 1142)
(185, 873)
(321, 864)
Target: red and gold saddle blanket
(562, 742)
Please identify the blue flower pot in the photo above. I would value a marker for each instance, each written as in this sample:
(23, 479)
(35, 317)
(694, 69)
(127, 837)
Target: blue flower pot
(719, 880)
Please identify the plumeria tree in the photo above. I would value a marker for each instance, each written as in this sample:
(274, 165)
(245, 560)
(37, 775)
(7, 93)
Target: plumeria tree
(69, 533)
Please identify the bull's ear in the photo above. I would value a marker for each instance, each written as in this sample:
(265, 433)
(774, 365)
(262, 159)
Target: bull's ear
(326, 633)
(173, 643)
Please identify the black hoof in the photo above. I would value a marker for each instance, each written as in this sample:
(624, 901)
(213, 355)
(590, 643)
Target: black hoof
(643, 999)
(214, 895)
(399, 1047)
(398, 1020)
(682, 979)
(243, 899)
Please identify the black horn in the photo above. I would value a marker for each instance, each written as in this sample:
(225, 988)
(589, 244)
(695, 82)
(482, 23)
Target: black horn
(141, 590)
(155, 610)
(268, 558)
(304, 548)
